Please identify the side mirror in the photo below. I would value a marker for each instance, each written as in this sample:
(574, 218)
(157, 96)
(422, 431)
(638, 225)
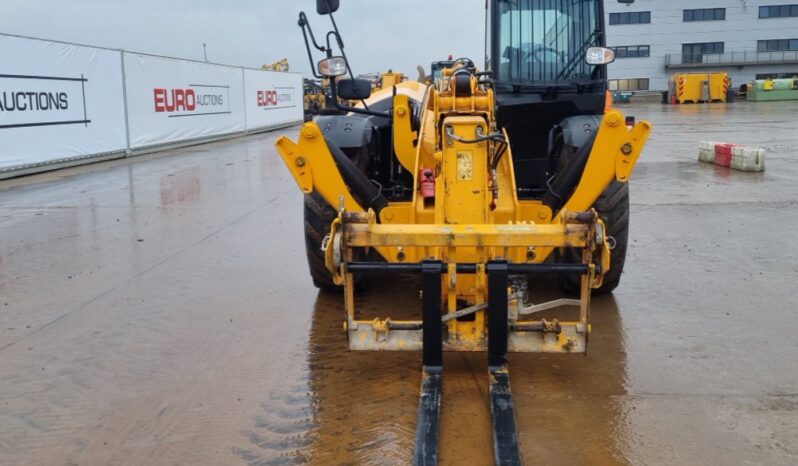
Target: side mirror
(325, 7)
(354, 89)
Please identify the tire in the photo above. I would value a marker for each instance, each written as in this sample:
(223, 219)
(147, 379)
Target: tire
(318, 217)
(613, 208)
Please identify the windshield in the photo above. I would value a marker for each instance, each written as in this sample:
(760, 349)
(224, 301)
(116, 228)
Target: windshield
(545, 40)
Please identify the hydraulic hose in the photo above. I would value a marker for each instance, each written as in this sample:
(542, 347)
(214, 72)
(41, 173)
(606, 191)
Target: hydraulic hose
(364, 191)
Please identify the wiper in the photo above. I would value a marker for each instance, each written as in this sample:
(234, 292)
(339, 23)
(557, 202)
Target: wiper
(535, 86)
(574, 85)
(585, 82)
(577, 57)
(544, 87)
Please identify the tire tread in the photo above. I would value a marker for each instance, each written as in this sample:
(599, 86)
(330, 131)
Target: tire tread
(613, 208)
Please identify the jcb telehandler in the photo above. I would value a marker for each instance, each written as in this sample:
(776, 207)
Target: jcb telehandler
(483, 177)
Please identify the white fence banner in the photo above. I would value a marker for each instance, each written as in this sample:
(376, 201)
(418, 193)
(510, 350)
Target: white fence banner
(272, 98)
(58, 102)
(170, 100)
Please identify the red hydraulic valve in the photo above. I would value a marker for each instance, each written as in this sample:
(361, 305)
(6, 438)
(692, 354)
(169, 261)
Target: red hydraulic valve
(426, 183)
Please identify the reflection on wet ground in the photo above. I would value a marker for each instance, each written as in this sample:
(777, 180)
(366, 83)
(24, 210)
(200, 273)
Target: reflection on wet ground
(157, 310)
(361, 407)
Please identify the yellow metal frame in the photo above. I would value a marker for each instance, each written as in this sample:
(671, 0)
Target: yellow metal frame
(475, 217)
(490, 242)
(313, 167)
(403, 135)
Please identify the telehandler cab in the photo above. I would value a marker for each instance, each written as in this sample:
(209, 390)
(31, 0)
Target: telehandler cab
(476, 182)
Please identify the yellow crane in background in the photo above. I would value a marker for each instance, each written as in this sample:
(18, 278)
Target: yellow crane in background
(281, 65)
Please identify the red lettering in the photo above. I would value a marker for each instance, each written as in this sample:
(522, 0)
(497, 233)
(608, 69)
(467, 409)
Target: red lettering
(191, 103)
(170, 106)
(267, 98)
(180, 99)
(174, 100)
(159, 99)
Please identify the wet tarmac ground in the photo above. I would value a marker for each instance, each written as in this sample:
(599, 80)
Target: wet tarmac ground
(158, 310)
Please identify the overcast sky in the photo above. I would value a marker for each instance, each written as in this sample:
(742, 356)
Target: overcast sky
(378, 34)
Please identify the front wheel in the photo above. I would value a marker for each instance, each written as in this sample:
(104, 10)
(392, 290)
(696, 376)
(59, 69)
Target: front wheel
(613, 208)
(318, 217)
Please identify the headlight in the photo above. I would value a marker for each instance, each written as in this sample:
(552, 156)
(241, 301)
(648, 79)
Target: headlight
(599, 56)
(335, 66)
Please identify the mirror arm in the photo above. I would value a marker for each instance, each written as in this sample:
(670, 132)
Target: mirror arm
(333, 85)
(343, 53)
(329, 47)
(340, 42)
(337, 34)
(348, 68)
(303, 24)
(310, 58)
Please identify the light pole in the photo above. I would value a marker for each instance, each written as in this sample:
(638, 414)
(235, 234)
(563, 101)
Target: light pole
(205, 52)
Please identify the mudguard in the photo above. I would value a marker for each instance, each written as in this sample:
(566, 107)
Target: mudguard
(346, 131)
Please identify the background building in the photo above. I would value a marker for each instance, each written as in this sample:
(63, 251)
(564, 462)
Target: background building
(654, 39)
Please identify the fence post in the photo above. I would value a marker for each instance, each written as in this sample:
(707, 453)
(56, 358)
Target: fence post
(124, 103)
(244, 91)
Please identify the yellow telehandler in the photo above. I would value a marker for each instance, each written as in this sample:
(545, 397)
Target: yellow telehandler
(473, 182)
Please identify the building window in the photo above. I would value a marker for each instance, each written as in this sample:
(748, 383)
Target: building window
(632, 51)
(632, 17)
(778, 76)
(777, 45)
(778, 11)
(694, 53)
(635, 84)
(705, 14)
